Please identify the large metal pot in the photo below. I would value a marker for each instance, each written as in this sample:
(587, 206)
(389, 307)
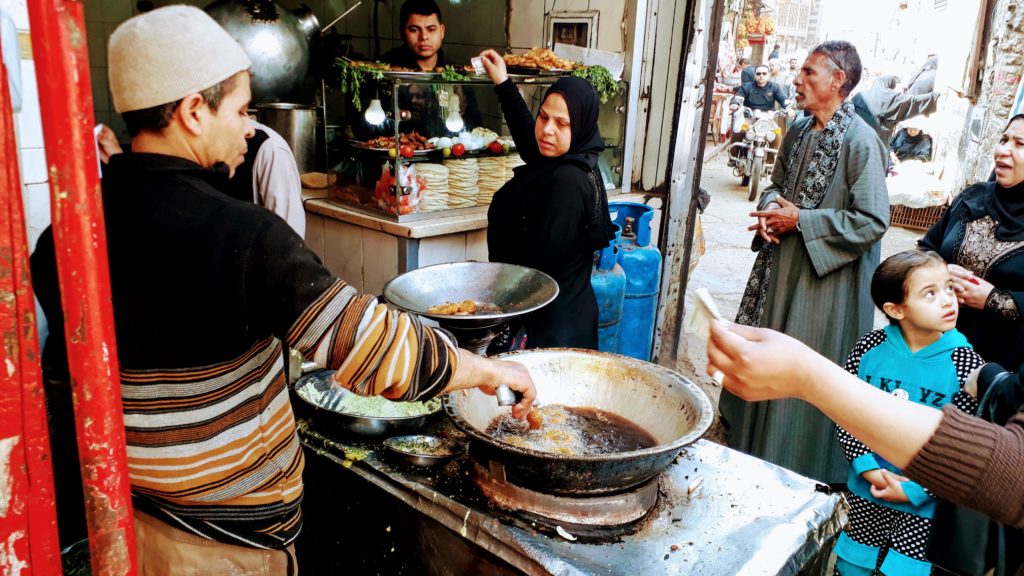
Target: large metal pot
(297, 125)
(670, 407)
(275, 39)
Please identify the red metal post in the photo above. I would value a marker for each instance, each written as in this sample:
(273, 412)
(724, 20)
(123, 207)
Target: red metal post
(65, 95)
(28, 515)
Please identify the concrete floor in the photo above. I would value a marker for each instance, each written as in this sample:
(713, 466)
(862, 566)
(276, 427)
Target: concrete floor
(726, 263)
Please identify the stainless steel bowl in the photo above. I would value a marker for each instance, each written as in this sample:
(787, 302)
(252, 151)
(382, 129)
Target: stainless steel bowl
(516, 290)
(329, 419)
(422, 450)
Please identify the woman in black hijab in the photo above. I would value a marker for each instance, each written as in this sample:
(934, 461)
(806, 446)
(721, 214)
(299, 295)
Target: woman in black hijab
(982, 236)
(553, 214)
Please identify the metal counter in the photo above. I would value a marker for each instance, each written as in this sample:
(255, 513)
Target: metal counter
(747, 516)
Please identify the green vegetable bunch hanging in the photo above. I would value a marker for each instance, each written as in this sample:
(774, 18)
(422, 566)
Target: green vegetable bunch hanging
(353, 74)
(602, 80)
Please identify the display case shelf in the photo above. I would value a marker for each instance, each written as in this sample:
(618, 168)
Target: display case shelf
(384, 184)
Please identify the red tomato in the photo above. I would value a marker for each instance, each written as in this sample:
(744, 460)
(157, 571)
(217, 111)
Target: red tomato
(458, 150)
(495, 147)
(407, 151)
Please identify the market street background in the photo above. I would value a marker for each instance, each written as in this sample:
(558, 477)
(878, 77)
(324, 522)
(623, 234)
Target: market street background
(726, 263)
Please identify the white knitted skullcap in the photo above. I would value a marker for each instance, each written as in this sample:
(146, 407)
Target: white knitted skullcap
(166, 54)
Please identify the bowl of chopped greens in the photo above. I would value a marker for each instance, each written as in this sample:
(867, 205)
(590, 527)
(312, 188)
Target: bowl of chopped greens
(334, 408)
(422, 450)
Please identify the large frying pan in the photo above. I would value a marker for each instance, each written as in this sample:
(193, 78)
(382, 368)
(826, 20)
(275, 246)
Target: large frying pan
(670, 407)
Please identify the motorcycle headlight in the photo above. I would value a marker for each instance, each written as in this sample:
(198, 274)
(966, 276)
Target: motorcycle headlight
(764, 125)
(770, 136)
(749, 135)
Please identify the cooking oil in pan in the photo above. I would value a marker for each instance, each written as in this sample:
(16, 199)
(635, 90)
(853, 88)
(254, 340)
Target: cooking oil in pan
(573, 431)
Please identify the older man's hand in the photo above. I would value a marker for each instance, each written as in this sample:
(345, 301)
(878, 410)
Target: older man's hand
(780, 217)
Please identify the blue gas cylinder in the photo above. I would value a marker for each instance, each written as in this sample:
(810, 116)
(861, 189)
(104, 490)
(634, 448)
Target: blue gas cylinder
(609, 282)
(642, 263)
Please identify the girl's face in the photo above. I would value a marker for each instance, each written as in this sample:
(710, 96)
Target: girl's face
(930, 302)
(553, 129)
(1009, 156)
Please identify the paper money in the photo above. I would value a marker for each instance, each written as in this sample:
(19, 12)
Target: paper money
(699, 321)
(703, 313)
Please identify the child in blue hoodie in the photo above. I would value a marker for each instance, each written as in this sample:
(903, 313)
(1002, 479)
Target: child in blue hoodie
(919, 357)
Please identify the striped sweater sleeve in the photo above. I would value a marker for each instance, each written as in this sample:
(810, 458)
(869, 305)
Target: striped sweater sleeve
(375, 350)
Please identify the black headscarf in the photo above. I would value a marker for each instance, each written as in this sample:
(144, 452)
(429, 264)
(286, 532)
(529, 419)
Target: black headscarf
(1004, 205)
(584, 105)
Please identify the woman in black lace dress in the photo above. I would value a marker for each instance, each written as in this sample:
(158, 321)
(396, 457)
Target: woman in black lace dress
(982, 237)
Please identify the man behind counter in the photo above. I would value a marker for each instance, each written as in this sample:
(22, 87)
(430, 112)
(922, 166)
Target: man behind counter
(423, 34)
(205, 288)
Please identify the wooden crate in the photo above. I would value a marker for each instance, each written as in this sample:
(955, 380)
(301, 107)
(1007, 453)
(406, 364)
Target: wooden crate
(915, 218)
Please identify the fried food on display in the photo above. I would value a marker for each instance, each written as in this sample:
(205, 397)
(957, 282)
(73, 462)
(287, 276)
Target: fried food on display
(382, 66)
(542, 58)
(417, 141)
(464, 308)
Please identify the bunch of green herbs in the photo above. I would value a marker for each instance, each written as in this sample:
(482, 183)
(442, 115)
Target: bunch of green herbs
(452, 74)
(354, 74)
(599, 77)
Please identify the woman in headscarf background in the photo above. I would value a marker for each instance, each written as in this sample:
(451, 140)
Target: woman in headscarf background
(982, 236)
(883, 106)
(553, 214)
(911, 143)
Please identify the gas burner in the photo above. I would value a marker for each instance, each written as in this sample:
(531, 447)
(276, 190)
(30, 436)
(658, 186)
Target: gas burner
(590, 517)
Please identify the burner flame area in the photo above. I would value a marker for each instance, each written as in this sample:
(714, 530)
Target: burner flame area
(591, 518)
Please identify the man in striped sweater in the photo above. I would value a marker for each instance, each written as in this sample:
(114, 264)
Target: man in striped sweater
(205, 290)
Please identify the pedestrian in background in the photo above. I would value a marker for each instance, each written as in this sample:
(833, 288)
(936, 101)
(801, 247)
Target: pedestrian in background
(883, 107)
(817, 236)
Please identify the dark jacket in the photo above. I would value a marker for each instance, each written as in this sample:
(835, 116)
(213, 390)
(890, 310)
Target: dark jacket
(540, 219)
(403, 57)
(761, 97)
(996, 337)
(964, 541)
(907, 147)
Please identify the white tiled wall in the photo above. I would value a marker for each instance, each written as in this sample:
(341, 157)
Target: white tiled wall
(101, 18)
(29, 129)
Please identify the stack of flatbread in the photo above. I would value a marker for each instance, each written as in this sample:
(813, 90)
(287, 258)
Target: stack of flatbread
(492, 177)
(511, 161)
(435, 196)
(463, 177)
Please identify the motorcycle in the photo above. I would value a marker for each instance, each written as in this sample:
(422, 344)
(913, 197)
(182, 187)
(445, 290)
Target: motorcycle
(751, 153)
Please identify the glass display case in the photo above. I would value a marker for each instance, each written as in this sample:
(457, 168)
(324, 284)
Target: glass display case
(417, 147)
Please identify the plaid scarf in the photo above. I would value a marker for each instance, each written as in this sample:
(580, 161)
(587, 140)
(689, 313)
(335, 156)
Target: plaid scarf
(806, 194)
